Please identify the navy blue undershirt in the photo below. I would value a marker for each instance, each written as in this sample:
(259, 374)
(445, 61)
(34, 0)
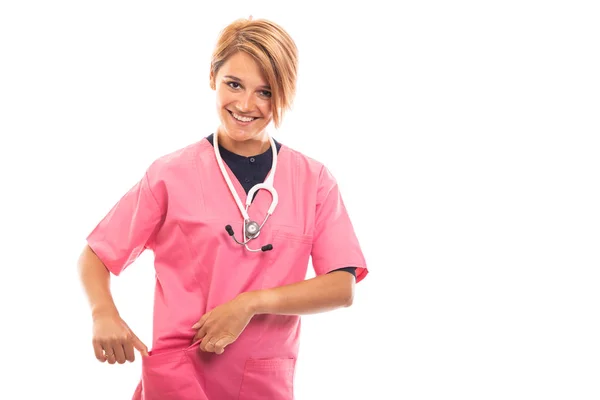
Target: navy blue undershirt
(253, 170)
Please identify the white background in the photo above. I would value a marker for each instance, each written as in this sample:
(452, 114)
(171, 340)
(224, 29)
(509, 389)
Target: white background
(464, 136)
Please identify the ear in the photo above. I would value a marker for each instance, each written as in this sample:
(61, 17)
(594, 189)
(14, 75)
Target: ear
(212, 81)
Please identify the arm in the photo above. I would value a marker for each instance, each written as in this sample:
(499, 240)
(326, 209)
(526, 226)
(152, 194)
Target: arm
(222, 325)
(114, 244)
(322, 293)
(113, 340)
(95, 280)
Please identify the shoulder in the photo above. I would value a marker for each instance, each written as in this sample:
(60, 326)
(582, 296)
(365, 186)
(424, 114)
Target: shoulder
(176, 161)
(314, 169)
(311, 166)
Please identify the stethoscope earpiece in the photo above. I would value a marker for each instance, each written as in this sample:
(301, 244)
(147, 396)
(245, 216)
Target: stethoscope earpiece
(266, 247)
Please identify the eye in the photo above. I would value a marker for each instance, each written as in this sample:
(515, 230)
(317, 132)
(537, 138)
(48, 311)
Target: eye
(265, 93)
(230, 84)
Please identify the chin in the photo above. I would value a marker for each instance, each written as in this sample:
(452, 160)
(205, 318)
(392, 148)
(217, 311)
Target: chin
(241, 134)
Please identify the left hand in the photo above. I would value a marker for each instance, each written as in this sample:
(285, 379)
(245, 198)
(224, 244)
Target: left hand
(223, 325)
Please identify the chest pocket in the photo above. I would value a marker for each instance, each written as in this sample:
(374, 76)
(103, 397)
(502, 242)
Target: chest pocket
(288, 261)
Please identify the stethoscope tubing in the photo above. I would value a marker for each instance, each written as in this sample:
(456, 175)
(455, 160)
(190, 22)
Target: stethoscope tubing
(266, 185)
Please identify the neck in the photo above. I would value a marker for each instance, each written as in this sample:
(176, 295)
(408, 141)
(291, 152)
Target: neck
(247, 148)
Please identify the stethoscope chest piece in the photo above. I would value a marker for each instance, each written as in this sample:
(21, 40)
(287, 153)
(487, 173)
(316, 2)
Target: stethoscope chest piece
(252, 229)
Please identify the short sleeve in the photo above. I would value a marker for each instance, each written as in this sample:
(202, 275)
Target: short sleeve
(128, 228)
(335, 244)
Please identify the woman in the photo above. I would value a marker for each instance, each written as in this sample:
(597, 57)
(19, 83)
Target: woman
(230, 285)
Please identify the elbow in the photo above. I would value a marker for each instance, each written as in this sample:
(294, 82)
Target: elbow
(349, 296)
(348, 301)
(342, 294)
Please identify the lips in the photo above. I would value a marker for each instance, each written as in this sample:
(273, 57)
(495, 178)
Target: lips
(244, 116)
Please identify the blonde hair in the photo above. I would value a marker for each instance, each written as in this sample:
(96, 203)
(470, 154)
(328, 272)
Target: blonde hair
(274, 51)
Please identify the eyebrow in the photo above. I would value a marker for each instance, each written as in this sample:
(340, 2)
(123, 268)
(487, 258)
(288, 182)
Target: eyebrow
(234, 78)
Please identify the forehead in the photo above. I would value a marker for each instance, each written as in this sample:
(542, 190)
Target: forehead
(244, 67)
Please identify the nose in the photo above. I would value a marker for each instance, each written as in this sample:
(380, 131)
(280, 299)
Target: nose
(246, 103)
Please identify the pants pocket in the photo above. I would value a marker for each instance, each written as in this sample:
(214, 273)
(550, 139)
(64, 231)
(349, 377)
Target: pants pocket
(271, 379)
(171, 376)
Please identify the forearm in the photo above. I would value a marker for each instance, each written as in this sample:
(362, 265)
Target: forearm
(95, 279)
(316, 295)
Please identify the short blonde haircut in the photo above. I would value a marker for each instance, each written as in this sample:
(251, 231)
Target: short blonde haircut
(273, 49)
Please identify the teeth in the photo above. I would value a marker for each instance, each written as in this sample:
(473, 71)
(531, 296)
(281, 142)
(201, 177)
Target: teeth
(240, 118)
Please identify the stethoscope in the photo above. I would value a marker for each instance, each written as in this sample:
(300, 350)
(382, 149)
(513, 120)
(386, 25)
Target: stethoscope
(251, 229)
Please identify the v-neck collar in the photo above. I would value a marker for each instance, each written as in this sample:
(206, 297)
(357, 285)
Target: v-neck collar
(229, 155)
(262, 200)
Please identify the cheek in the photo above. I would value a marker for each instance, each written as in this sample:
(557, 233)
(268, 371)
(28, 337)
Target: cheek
(223, 98)
(265, 109)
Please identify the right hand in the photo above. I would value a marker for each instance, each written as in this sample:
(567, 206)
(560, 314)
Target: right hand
(114, 341)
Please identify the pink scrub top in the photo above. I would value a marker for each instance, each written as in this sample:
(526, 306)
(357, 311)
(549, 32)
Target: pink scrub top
(179, 210)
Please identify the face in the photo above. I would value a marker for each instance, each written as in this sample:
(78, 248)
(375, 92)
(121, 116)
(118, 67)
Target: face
(243, 101)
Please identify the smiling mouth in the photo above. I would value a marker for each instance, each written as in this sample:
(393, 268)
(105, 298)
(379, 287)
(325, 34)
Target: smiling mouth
(241, 118)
